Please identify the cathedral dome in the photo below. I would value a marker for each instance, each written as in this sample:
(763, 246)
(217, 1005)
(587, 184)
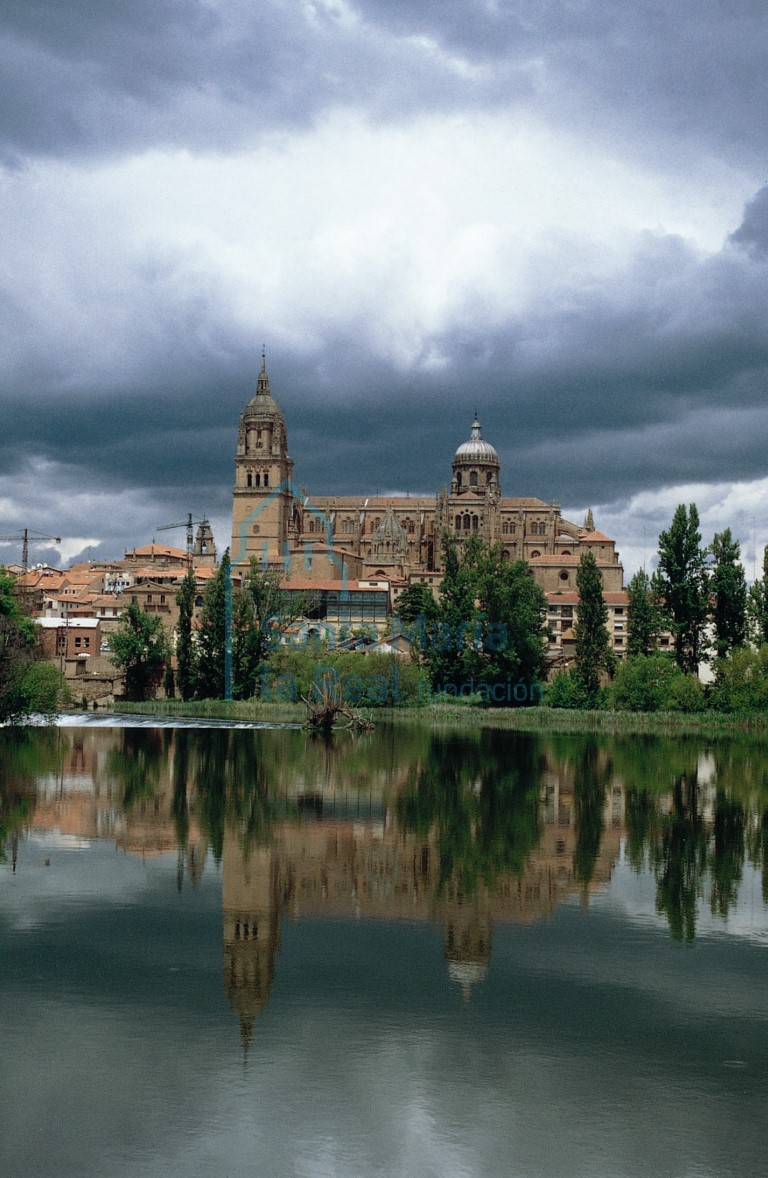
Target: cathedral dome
(263, 404)
(476, 450)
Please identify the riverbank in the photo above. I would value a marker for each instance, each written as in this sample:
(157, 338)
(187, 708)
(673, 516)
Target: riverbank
(536, 719)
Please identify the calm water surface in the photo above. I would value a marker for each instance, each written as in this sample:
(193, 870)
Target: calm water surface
(249, 952)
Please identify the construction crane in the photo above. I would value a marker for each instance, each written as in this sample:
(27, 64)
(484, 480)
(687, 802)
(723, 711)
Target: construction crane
(189, 524)
(26, 537)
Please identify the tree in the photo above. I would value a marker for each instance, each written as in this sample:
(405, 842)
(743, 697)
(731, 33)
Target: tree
(16, 642)
(593, 644)
(211, 649)
(261, 611)
(757, 606)
(644, 620)
(488, 632)
(27, 682)
(684, 584)
(186, 672)
(417, 610)
(729, 594)
(140, 648)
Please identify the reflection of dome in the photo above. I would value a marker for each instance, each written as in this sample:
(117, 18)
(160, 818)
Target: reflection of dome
(476, 450)
(467, 974)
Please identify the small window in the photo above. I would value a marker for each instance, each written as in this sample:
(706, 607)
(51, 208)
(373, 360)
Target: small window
(563, 575)
(473, 478)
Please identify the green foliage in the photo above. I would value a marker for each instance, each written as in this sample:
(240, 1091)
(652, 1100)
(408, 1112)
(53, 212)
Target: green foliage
(27, 684)
(186, 670)
(260, 613)
(757, 606)
(741, 682)
(488, 631)
(139, 647)
(644, 621)
(417, 601)
(44, 689)
(362, 680)
(684, 585)
(654, 683)
(593, 646)
(211, 640)
(566, 690)
(728, 588)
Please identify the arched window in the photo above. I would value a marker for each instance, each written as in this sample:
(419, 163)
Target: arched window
(473, 478)
(458, 523)
(266, 478)
(458, 478)
(489, 477)
(249, 480)
(258, 479)
(534, 554)
(467, 523)
(475, 523)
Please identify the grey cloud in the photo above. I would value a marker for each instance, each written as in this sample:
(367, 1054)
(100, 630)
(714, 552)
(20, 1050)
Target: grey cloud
(654, 377)
(752, 234)
(646, 77)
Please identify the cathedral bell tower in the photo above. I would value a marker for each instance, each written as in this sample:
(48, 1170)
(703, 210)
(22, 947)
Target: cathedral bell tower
(263, 497)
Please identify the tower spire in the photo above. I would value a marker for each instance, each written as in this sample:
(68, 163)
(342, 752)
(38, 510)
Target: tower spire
(262, 385)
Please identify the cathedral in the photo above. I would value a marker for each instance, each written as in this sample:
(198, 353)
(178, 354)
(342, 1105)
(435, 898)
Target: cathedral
(367, 542)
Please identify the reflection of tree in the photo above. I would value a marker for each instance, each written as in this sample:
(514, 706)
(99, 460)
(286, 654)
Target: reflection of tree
(481, 798)
(590, 780)
(25, 753)
(727, 856)
(235, 785)
(641, 820)
(136, 762)
(679, 859)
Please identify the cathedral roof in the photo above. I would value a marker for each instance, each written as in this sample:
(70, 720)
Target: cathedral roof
(476, 450)
(390, 528)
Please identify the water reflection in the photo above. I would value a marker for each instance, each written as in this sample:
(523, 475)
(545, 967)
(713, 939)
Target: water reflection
(465, 831)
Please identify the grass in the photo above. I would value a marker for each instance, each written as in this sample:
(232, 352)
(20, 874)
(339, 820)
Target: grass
(536, 719)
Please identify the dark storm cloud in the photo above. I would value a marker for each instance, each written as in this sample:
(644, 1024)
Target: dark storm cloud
(654, 378)
(105, 76)
(100, 75)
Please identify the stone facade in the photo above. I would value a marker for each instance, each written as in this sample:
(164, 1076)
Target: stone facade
(397, 538)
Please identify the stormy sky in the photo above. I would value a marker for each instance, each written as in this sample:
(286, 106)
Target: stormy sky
(555, 212)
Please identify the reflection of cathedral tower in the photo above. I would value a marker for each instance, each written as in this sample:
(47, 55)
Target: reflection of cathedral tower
(468, 933)
(251, 911)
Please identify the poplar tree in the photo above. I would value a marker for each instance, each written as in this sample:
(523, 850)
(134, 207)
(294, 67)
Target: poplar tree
(212, 635)
(684, 585)
(729, 594)
(593, 645)
(261, 611)
(644, 622)
(757, 605)
(185, 649)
